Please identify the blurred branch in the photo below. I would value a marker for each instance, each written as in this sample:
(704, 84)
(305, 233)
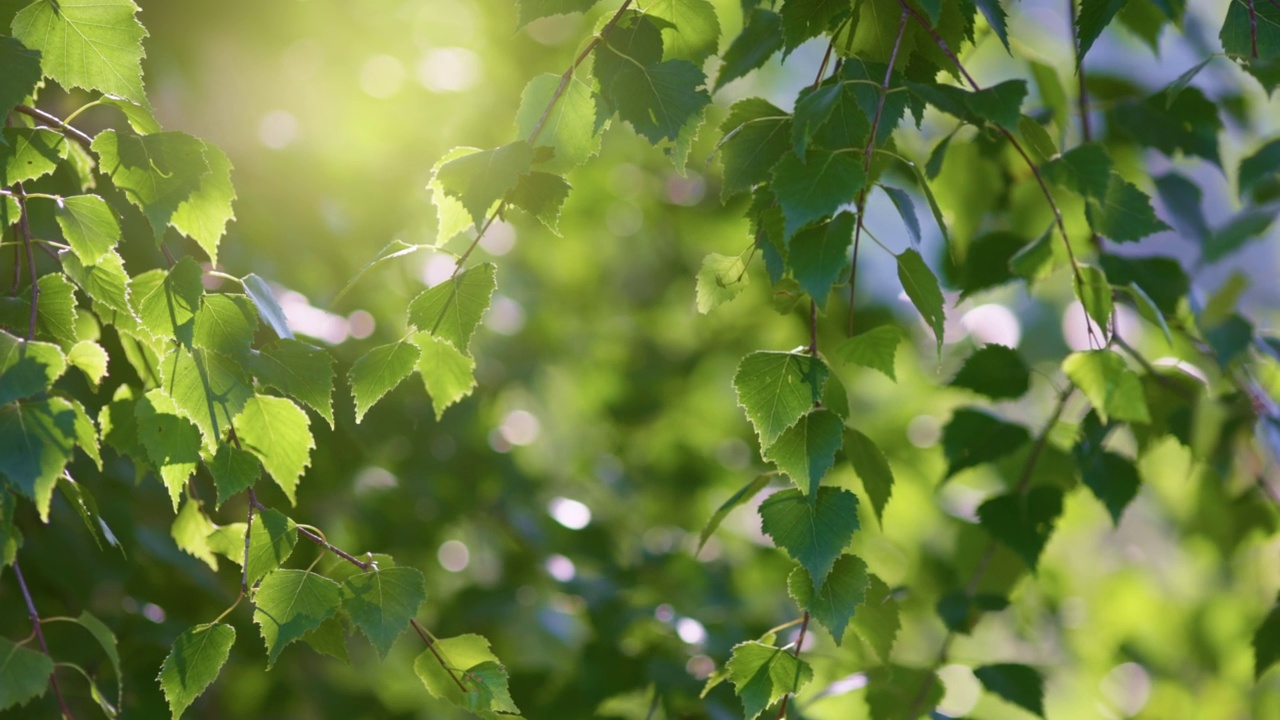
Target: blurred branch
(24, 226)
(35, 627)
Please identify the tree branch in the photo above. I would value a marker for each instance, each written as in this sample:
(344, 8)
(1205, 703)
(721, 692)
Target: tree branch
(55, 124)
(804, 627)
(24, 226)
(431, 645)
(35, 626)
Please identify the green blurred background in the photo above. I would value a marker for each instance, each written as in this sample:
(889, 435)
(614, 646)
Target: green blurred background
(557, 510)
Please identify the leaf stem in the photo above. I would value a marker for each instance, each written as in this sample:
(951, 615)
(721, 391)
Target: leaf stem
(1086, 128)
(24, 226)
(430, 640)
(795, 684)
(56, 124)
(248, 529)
(35, 627)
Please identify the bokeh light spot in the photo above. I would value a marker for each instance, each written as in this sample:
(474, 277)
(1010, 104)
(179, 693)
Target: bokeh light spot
(569, 513)
(454, 556)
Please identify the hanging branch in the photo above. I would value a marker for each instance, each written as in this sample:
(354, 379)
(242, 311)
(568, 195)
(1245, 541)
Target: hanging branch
(24, 227)
(35, 627)
(1086, 127)
(866, 162)
(55, 124)
(804, 627)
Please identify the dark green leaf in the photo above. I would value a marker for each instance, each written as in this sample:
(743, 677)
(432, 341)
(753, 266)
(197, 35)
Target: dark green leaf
(1259, 175)
(1000, 104)
(960, 612)
(988, 262)
(776, 389)
(289, 604)
(1023, 521)
(295, 368)
(744, 495)
(271, 542)
(1112, 388)
(818, 255)
(994, 13)
(1248, 224)
(329, 638)
(873, 349)
(1094, 16)
(1189, 123)
(973, 437)
(1248, 25)
(996, 371)
(804, 19)
(872, 467)
(22, 71)
(37, 440)
(813, 529)
(756, 135)
(921, 285)
(29, 153)
(895, 692)
(907, 209)
(876, 621)
(833, 603)
(1021, 685)
(1161, 278)
(194, 663)
(1266, 643)
(382, 602)
(659, 99)
(56, 314)
(541, 195)
(760, 38)
(761, 674)
(1124, 214)
(24, 674)
(451, 310)
(816, 186)
(1085, 169)
(1230, 338)
(807, 450)
(1181, 198)
(1112, 478)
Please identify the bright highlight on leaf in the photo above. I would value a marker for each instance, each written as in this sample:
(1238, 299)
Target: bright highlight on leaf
(467, 659)
(194, 663)
(761, 674)
(1114, 390)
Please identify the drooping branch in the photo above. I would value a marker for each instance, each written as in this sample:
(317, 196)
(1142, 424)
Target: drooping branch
(39, 633)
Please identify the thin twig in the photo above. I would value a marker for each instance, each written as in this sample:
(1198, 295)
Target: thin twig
(1253, 29)
(866, 164)
(1086, 127)
(804, 627)
(24, 226)
(35, 627)
(319, 540)
(56, 124)
(431, 645)
(248, 529)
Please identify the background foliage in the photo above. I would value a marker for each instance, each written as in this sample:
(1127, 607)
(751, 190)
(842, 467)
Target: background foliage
(599, 382)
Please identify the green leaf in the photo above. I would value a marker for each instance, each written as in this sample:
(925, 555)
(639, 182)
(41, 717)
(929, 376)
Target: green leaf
(804, 19)
(960, 612)
(1114, 390)
(171, 441)
(382, 602)
(1085, 168)
(470, 661)
(1147, 309)
(329, 638)
(90, 44)
(570, 127)
(1266, 643)
(452, 310)
(233, 471)
(447, 373)
(531, 10)
(995, 15)
(289, 604)
(1124, 214)
(194, 663)
(907, 209)
(1230, 338)
(988, 262)
(1181, 197)
(744, 495)
(996, 371)
(481, 179)
(138, 116)
(876, 621)
(818, 256)
(1188, 123)
(973, 437)
(158, 173)
(56, 314)
(776, 389)
(721, 279)
(814, 187)
(451, 217)
(694, 30)
(29, 153)
(541, 195)
(921, 285)
(28, 368)
(1035, 137)
(89, 358)
(1161, 278)
(279, 434)
(1246, 225)
(191, 533)
(89, 225)
(204, 215)
(872, 467)
(1094, 293)
(999, 104)
(833, 604)
(807, 450)
(873, 349)
(895, 692)
(756, 135)
(225, 324)
(814, 529)
(106, 284)
(1094, 16)
(268, 309)
(1021, 685)
(761, 674)
(21, 72)
(107, 640)
(380, 370)
(1023, 521)
(37, 440)
(832, 116)
(79, 498)
(658, 99)
(1223, 302)
(302, 371)
(1243, 23)
(760, 38)
(24, 674)
(272, 538)
(1112, 477)
(1259, 175)
(207, 388)
(166, 302)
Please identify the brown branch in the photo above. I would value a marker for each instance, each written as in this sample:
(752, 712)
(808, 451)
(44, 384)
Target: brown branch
(24, 226)
(804, 627)
(55, 124)
(35, 627)
(1253, 29)
(431, 645)
(248, 529)
(1086, 128)
(866, 163)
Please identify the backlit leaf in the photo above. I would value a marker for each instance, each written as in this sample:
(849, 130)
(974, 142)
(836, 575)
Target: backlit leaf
(807, 450)
(204, 215)
(472, 663)
(233, 471)
(447, 373)
(272, 538)
(873, 349)
(167, 302)
(289, 604)
(812, 529)
(721, 279)
(295, 368)
(480, 179)
(190, 532)
(382, 602)
(570, 127)
(89, 225)
(694, 32)
(380, 370)
(90, 44)
(1114, 390)
(279, 434)
(452, 310)
(207, 388)
(761, 674)
(776, 389)
(29, 153)
(21, 71)
(158, 173)
(194, 663)
(834, 603)
(171, 441)
(744, 495)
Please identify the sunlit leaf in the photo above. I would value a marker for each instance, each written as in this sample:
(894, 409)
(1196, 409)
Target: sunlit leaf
(194, 663)
(873, 349)
(158, 173)
(278, 432)
(761, 674)
(452, 310)
(447, 373)
(834, 603)
(1112, 388)
(382, 602)
(172, 442)
(744, 495)
(378, 371)
(807, 450)
(776, 389)
(570, 127)
(29, 153)
(479, 180)
(90, 44)
(469, 661)
(302, 371)
(89, 225)
(289, 604)
(812, 529)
